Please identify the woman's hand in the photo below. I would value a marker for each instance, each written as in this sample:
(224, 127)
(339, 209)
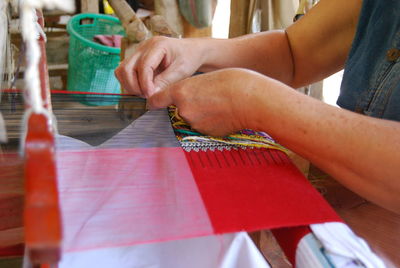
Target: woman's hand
(216, 103)
(157, 63)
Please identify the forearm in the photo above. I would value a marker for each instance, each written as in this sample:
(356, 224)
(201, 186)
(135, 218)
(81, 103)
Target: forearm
(359, 151)
(310, 49)
(267, 53)
(321, 40)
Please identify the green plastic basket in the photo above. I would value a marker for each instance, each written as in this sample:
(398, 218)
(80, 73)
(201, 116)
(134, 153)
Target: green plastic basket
(90, 64)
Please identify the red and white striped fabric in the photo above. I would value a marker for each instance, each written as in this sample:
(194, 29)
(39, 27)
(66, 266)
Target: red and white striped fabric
(141, 187)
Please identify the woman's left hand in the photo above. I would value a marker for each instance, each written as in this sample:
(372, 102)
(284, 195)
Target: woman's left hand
(215, 103)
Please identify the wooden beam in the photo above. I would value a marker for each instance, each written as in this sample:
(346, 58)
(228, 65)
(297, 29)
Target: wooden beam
(135, 29)
(89, 6)
(170, 11)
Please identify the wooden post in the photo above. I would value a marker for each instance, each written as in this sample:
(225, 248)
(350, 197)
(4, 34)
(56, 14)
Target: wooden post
(90, 6)
(42, 219)
(170, 11)
(159, 26)
(135, 29)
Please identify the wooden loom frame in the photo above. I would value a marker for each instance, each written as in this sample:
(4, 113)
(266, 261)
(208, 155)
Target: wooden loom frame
(42, 217)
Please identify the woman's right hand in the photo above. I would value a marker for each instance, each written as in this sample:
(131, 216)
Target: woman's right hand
(157, 63)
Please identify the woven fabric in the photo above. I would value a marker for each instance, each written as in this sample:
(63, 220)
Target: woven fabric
(113, 196)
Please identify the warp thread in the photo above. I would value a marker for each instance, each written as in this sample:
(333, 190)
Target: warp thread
(31, 31)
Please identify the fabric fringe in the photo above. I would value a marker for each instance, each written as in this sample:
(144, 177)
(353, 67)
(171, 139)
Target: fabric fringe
(193, 140)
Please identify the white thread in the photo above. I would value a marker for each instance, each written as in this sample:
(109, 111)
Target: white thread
(30, 34)
(4, 40)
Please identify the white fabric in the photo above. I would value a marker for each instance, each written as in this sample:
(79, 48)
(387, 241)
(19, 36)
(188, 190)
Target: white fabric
(344, 248)
(222, 251)
(309, 254)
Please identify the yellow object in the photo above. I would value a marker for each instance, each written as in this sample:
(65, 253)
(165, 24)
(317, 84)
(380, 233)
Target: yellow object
(107, 8)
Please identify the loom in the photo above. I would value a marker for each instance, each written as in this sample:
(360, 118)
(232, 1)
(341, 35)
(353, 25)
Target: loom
(141, 185)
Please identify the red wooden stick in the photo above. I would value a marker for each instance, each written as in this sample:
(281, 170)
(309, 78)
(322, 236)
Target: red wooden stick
(42, 219)
(42, 214)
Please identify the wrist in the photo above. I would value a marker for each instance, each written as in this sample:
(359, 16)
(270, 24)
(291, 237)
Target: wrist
(262, 102)
(196, 50)
(247, 88)
(213, 53)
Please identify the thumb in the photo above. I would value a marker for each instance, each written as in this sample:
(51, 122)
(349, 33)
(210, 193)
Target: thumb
(160, 99)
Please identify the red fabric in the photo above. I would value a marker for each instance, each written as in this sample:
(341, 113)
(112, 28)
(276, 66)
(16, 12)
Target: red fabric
(256, 189)
(15, 250)
(114, 197)
(10, 211)
(119, 197)
(153, 191)
(289, 238)
(109, 40)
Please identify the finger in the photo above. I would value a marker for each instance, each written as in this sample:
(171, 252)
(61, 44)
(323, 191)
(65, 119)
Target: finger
(127, 76)
(146, 67)
(135, 84)
(160, 99)
(172, 74)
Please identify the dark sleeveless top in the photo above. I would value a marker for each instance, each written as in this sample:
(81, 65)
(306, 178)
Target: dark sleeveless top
(371, 80)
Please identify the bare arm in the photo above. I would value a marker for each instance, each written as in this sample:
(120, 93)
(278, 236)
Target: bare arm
(311, 49)
(321, 41)
(267, 53)
(359, 151)
(314, 47)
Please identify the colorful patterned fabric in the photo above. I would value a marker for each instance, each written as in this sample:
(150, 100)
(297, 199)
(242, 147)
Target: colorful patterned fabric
(193, 140)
